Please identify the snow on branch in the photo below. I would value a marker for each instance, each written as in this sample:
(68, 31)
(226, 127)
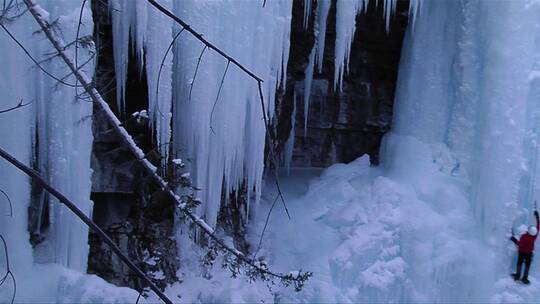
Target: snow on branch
(183, 202)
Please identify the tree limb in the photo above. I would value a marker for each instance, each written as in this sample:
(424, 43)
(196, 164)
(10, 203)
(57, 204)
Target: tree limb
(64, 200)
(18, 106)
(201, 38)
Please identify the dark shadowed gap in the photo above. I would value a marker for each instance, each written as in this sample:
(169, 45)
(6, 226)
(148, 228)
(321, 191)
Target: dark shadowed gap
(343, 125)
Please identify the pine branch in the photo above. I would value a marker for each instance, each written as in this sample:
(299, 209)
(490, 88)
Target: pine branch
(181, 202)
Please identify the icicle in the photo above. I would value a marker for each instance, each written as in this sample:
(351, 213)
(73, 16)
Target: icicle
(323, 7)
(289, 145)
(307, 86)
(414, 8)
(53, 132)
(346, 11)
(129, 20)
(307, 13)
(389, 10)
(159, 37)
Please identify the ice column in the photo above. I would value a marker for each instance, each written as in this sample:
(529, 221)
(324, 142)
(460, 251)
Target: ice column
(53, 134)
(465, 80)
(219, 127)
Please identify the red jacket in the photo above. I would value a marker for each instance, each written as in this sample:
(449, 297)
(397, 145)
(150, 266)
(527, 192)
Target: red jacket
(526, 241)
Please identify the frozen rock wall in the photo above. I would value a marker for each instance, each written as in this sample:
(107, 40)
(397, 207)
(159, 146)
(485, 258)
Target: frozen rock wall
(346, 118)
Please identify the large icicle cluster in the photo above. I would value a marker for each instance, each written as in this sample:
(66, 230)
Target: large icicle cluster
(218, 125)
(53, 134)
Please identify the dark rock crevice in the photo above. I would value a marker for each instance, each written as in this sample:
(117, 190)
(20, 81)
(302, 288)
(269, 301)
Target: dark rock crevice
(343, 125)
(128, 206)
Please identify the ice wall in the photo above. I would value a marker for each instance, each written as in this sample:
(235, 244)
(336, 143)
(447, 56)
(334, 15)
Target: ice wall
(468, 80)
(53, 134)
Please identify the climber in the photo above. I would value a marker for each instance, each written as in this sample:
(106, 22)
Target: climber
(526, 249)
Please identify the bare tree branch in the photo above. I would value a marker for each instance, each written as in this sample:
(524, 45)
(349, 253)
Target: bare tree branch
(202, 39)
(18, 106)
(264, 228)
(272, 155)
(34, 60)
(161, 68)
(73, 207)
(9, 273)
(217, 96)
(195, 73)
(9, 202)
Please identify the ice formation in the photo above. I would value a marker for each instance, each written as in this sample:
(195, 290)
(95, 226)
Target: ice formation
(310, 69)
(460, 165)
(323, 8)
(224, 151)
(222, 132)
(53, 135)
(346, 11)
(150, 34)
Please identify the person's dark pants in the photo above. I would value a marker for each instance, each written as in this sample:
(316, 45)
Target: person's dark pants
(527, 258)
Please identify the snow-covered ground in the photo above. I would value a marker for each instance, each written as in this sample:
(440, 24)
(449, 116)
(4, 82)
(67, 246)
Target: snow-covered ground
(404, 232)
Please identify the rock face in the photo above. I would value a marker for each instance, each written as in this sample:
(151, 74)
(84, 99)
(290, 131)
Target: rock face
(342, 126)
(127, 206)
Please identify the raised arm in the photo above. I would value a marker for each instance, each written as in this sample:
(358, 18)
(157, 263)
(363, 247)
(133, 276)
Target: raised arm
(513, 239)
(537, 220)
